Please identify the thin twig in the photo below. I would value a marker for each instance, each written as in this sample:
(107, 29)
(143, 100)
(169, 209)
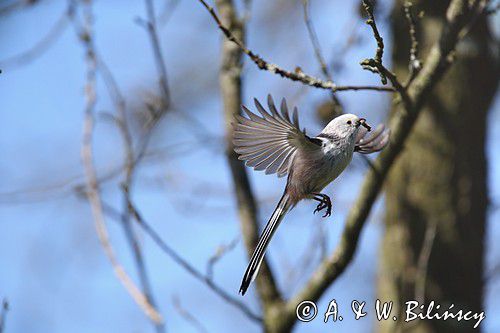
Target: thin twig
(137, 254)
(188, 267)
(368, 5)
(178, 259)
(314, 40)
(414, 64)
(297, 75)
(92, 192)
(375, 64)
(43, 44)
(219, 253)
(158, 56)
(130, 167)
(387, 74)
(7, 9)
(319, 54)
(188, 316)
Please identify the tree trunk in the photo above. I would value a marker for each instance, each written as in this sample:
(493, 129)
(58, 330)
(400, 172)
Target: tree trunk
(437, 197)
(231, 90)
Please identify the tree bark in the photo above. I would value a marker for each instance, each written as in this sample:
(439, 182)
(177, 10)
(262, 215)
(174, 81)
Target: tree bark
(437, 196)
(231, 90)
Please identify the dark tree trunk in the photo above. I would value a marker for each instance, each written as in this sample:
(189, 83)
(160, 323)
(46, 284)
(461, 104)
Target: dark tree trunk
(438, 186)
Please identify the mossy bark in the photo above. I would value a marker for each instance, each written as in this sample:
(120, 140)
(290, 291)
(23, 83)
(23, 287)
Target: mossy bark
(440, 181)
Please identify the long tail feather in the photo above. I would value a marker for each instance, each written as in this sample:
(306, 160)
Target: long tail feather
(258, 254)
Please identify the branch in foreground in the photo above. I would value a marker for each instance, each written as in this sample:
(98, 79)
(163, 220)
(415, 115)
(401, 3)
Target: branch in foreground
(414, 63)
(368, 5)
(375, 64)
(298, 75)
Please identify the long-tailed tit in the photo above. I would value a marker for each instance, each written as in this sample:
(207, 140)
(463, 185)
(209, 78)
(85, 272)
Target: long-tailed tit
(275, 143)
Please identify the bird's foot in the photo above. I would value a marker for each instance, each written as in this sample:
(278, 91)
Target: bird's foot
(324, 202)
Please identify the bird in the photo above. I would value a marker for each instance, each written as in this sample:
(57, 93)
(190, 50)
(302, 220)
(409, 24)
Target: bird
(274, 143)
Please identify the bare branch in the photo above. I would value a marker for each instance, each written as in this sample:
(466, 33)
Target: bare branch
(92, 192)
(368, 5)
(230, 83)
(414, 63)
(138, 256)
(43, 44)
(184, 263)
(375, 64)
(158, 56)
(221, 250)
(130, 166)
(16, 4)
(190, 318)
(314, 40)
(377, 67)
(297, 75)
(319, 55)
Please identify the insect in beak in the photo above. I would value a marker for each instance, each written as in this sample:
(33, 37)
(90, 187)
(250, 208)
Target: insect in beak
(362, 121)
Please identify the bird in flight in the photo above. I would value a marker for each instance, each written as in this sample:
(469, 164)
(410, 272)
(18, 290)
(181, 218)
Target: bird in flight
(273, 142)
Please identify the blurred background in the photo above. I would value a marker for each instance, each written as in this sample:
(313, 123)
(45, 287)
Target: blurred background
(53, 271)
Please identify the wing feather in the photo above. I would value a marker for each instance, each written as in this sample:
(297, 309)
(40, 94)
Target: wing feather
(376, 141)
(269, 142)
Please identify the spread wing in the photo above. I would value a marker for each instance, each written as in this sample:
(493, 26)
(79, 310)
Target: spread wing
(269, 142)
(376, 141)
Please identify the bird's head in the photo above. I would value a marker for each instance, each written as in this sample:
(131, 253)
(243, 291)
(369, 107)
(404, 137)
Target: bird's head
(345, 126)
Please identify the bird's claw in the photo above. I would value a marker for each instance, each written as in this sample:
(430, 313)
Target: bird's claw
(324, 202)
(328, 211)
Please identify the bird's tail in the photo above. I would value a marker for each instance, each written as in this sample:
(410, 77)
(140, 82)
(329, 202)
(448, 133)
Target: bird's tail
(258, 254)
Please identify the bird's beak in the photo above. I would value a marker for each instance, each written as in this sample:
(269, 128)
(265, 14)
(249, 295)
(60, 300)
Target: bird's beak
(362, 121)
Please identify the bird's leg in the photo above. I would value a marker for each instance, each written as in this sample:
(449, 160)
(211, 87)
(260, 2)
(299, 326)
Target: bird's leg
(324, 202)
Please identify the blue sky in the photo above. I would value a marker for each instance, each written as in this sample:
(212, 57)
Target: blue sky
(52, 268)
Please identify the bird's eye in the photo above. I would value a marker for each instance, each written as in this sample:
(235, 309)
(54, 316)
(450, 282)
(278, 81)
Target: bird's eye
(349, 122)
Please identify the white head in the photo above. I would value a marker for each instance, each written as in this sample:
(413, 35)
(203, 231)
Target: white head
(345, 126)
